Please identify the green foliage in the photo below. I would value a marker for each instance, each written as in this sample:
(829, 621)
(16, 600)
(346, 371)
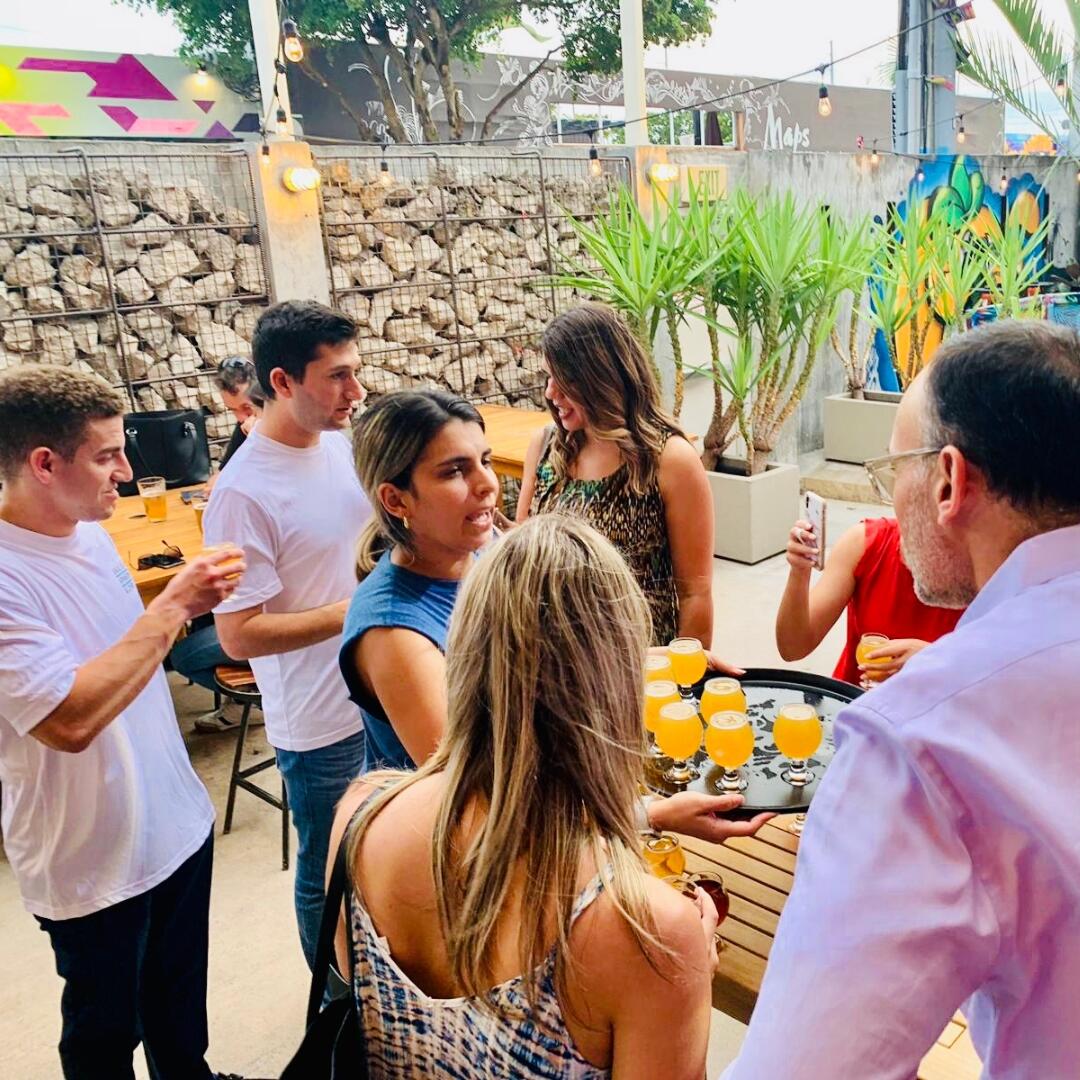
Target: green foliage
(963, 198)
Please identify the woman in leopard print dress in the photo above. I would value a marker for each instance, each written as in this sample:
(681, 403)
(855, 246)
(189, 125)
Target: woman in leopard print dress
(615, 458)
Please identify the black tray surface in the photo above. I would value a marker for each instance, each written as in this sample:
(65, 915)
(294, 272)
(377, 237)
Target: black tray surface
(767, 689)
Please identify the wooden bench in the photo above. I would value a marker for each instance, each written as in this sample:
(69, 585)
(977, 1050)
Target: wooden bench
(758, 873)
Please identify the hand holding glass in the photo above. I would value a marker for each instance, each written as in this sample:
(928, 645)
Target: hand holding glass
(867, 644)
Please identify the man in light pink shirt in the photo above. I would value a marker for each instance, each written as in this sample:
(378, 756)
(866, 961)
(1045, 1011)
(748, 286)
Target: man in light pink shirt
(940, 866)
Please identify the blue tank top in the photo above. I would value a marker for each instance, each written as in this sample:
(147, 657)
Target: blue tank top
(391, 596)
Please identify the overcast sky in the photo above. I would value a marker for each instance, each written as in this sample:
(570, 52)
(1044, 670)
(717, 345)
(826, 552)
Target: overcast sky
(766, 38)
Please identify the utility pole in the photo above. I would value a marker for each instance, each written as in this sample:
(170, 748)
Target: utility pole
(942, 51)
(265, 37)
(632, 24)
(915, 142)
(899, 94)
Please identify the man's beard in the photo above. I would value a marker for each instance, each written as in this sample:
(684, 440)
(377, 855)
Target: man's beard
(942, 577)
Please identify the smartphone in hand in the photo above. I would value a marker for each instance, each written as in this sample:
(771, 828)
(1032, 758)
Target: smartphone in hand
(814, 508)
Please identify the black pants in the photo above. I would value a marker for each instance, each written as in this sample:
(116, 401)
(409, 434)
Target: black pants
(136, 972)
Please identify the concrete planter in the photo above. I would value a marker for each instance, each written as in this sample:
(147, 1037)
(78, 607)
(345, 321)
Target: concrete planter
(856, 430)
(754, 514)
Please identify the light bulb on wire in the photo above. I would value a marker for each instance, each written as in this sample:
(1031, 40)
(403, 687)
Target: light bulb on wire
(264, 155)
(201, 75)
(920, 175)
(386, 179)
(824, 105)
(961, 135)
(1003, 185)
(281, 122)
(596, 168)
(874, 154)
(1061, 87)
(292, 45)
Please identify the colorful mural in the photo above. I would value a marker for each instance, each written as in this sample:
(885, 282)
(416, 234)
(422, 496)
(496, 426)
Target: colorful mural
(955, 187)
(65, 94)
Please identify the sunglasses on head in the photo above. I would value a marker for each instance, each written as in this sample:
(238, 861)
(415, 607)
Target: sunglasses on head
(163, 560)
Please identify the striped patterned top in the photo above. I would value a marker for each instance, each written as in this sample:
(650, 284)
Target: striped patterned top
(409, 1034)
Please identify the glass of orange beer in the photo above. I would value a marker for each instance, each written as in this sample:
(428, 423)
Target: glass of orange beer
(152, 490)
(687, 664)
(657, 666)
(664, 855)
(797, 733)
(678, 734)
(658, 693)
(198, 505)
(867, 644)
(722, 695)
(729, 741)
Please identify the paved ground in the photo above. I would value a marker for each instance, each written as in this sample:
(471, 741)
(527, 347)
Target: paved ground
(258, 980)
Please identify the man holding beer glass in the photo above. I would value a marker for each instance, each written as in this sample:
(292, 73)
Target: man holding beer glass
(106, 825)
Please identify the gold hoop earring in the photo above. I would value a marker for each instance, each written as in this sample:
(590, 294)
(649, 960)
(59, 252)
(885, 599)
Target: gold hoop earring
(405, 522)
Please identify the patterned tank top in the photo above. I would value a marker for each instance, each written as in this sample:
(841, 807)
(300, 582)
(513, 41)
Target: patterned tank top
(409, 1034)
(635, 524)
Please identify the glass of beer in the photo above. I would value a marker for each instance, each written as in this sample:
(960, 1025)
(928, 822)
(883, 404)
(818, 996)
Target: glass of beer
(657, 667)
(198, 505)
(729, 741)
(152, 490)
(797, 733)
(687, 663)
(867, 644)
(664, 855)
(713, 884)
(658, 693)
(226, 546)
(722, 695)
(678, 734)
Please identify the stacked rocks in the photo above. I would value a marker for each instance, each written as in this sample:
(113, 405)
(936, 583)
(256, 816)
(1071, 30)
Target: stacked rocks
(185, 267)
(447, 273)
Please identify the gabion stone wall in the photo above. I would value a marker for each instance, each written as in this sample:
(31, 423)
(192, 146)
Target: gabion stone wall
(444, 263)
(145, 269)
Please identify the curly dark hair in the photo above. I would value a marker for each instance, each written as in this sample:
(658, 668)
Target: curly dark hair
(41, 405)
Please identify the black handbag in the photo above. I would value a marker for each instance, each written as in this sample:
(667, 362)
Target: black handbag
(333, 1045)
(171, 444)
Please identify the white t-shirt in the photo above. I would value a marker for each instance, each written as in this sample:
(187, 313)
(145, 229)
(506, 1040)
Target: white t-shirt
(85, 831)
(297, 514)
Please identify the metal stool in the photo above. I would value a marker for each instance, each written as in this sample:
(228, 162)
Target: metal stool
(238, 684)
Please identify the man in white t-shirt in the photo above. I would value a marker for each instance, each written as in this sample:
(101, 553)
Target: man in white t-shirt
(291, 499)
(108, 830)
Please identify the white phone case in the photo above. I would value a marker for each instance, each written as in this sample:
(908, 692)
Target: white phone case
(815, 507)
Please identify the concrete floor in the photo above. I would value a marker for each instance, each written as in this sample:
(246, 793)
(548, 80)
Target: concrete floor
(258, 980)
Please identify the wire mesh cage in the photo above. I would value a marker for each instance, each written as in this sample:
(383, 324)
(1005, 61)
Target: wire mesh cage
(145, 268)
(445, 262)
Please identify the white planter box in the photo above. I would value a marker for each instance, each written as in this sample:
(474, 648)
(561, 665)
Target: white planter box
(754, 514)
(856, 430)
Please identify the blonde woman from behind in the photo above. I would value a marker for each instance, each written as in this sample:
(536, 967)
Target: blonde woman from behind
(502, 919)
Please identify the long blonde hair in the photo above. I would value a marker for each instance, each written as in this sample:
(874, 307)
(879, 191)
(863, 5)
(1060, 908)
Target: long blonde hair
(390, 438)
(544, 669)
(595, 357)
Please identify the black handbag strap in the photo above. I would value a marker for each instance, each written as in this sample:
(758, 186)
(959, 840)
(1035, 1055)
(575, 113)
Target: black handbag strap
(337, 891)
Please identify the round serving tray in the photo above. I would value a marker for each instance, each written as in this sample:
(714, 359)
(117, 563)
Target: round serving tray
(766, 690)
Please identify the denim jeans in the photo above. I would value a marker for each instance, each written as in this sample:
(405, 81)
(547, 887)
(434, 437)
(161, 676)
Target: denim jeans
(196, 656)
(315, 780)
(136, 972)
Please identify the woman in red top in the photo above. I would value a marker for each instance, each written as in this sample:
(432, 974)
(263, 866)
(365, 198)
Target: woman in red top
(866, 574)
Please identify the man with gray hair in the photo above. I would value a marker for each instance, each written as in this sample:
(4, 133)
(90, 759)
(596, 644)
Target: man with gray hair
(941, 859)
(108, 830)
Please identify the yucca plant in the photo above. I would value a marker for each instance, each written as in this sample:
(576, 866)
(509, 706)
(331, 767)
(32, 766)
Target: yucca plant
(1011, 265)
(636, 266)
(855, 258)
(957, 274)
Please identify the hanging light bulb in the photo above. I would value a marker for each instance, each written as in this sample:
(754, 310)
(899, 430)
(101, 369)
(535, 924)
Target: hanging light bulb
(920, 175)
(201, 75)
(874, 154)
(386, 179)
(293, 46)
(1061, 87)
(595, 166)
(264, 155)
(1003, 184)
(824, 105)
(281, 122)
(961, 135)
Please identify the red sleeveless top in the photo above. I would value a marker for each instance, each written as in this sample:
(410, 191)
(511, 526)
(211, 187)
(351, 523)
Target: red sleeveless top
(884, 601)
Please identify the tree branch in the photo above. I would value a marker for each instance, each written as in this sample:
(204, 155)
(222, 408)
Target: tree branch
(522, 83)
(363, 126)
(394, 125)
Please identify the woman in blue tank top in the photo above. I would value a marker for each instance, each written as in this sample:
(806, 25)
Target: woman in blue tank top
(424, 462)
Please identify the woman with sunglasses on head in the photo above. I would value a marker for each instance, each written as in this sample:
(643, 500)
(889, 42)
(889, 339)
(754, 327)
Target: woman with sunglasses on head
(616, 459)
(866, 574)
(500, 907)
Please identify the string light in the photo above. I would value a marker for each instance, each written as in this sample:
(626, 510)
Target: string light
(961, 135)
(595, 166)
(920, 174)
(1061, 88)
(281, 122)
(1003, 185)
(386, 179)
(874, 154)
(264, 155)
(201, 75)
(824, 105)
(293, 46)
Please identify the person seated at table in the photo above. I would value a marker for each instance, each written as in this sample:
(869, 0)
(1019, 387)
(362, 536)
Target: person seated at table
(940, 866)
(425, 464)
(197, 655)
(615, 458)
(866, 573)
(500, 906)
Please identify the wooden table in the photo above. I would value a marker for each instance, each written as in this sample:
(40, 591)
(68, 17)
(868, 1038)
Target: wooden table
(758, 873)
(509, 433)
(134, 535)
